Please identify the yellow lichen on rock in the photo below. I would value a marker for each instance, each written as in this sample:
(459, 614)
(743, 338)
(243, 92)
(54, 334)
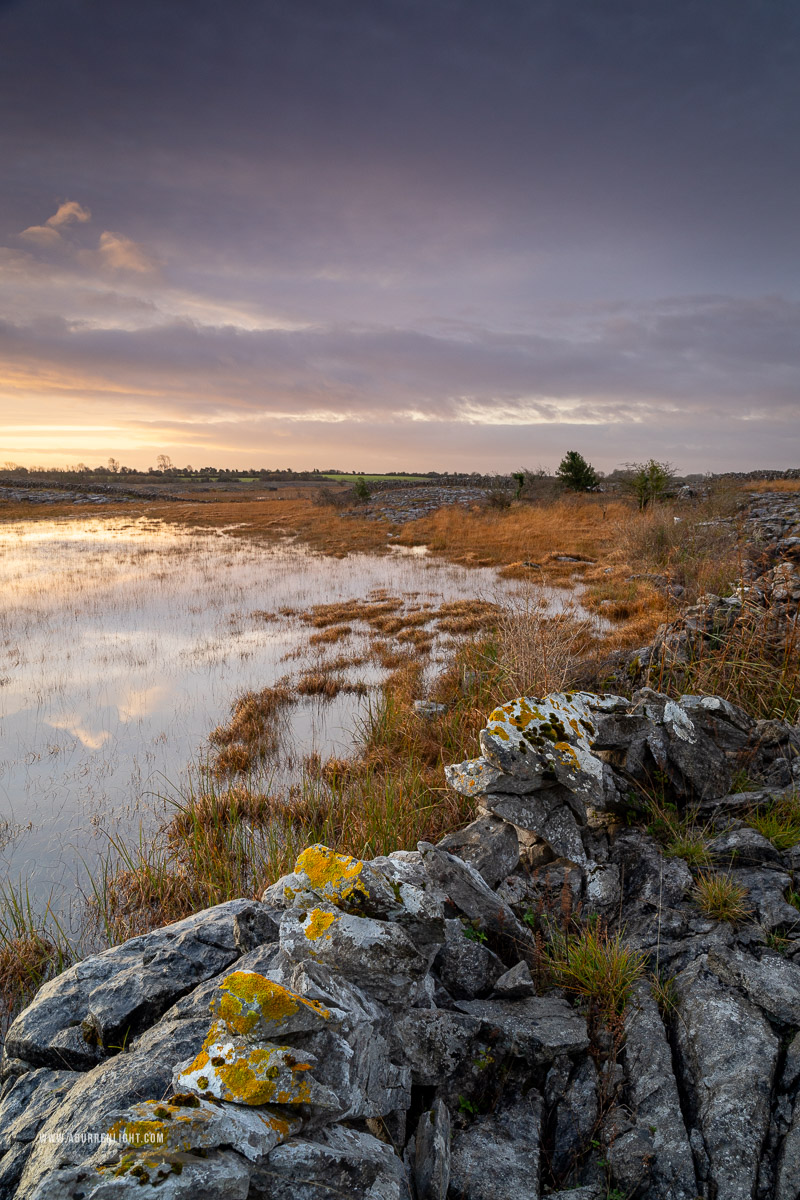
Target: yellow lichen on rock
(249, 1003)
(334, 876)
(233, 1069)
(318, 922)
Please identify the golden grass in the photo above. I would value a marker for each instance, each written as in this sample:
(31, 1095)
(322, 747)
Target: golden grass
(773, 485)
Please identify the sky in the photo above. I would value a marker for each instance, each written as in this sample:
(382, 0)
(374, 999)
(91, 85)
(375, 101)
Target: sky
(400, 234)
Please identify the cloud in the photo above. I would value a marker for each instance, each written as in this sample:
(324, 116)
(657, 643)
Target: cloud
(65, 214)
(121, 253)
(68, 212)
(41, 235)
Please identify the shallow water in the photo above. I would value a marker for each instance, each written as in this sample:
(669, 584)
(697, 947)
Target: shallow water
(123, 643)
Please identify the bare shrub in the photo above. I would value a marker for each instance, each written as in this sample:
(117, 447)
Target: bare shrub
(537, 650)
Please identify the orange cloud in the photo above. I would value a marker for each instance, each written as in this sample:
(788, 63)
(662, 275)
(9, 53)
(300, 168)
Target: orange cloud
(65, 214)
(121, 253)
(69, 211)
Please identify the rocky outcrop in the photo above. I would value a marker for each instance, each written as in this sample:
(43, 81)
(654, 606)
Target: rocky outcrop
(388, 1029)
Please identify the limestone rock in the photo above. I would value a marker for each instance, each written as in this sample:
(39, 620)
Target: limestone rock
(546, 814)
(232, 1068)
(771, 982)
(489, 844)
(105, 1000)
(575, 1119)
(470, 893)
(655, 1101)
(477, 777)
(102, 1095)
(497, 1156)
(185, 1123)
(538, 1027)
(548, 741)
(432, 1153)
(376, 955)
(728, 1056)
(175, 1176)
(515, 983)
(435, 1041)
(337, 1162)
(465, 967)
(257, 1008)
(743, 847)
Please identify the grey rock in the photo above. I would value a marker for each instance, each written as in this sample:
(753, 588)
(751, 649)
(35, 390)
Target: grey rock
(29, 1101)
(435, 1042)
(545, 814)
(375, 955)
(102, 1095)
(105, 1000)
(429, 709)
(357, 1066)
(255, 926)
(515, 983)
(470, 893)
(787, 1183)
(338, 1162)
(766, 895)
(575, 1119)
(197, 1003)
(771, 982)
(745, 847)
(177, 1177)
(497, 1156)
(477, 776)
(489, 844)
(654, 1098)
(603, 891)
(539, 1028)
(630, 1157)
(728, 1056)
(432, 1153)
(466, 968)
(590, 1192)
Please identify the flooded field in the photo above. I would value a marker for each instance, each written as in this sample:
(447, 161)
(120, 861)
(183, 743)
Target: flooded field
(123, 643)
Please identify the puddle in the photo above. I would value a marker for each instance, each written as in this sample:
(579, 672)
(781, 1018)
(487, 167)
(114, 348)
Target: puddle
(123, 643)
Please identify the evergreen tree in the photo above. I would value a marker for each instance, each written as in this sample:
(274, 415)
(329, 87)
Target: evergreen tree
(576, 473)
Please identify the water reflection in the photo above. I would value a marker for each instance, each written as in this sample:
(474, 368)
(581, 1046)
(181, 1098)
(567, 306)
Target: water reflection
(124, 642)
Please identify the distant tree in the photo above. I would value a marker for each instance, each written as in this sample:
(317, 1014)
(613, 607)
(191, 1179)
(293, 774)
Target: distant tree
(164, 462)
(649, 481)
(113, 466)
(576, 473)
(361, 490)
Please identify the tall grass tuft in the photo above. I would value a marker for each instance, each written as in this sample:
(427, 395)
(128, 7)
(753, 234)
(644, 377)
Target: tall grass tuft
(598, 967)
(33, 948)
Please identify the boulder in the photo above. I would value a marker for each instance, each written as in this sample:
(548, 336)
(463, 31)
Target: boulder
(771, 982)
(489, 844)
(538, 1027)
(496, 1157)
(728, 1055)
(469, 892)
(98, 1005)
(655, 1101)
(465, 967)
(376, 955)
(337, 1162)
(121, 1176)
(102, 1095)
(432, 1153)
